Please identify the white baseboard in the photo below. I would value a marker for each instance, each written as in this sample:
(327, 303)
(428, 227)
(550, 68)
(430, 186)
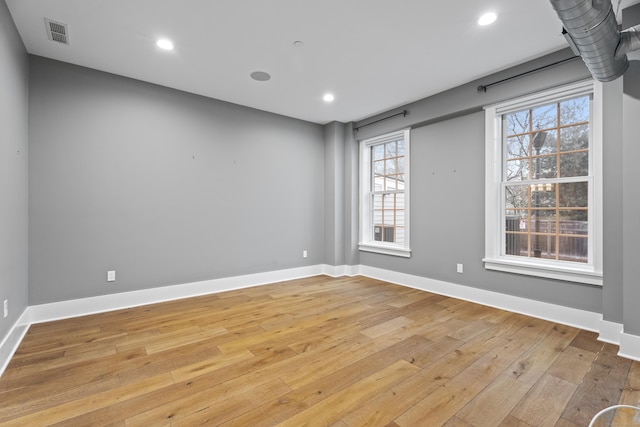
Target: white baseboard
(609, 331)
(341, 270)
(555, 313)
(99, 304)
(10, 344)
(629, 346)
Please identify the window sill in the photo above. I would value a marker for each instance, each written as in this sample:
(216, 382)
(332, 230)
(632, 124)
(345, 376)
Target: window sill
(568, 273)
(385, 250)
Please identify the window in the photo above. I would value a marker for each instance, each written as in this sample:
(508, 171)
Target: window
(543, 207)
(384, 194)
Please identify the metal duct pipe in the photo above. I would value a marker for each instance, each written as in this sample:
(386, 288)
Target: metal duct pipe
(591, 29)
(629, 41)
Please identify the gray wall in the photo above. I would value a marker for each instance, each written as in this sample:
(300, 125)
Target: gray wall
(631, 185)
(334, 193)
(13, 171)
(447, 189)
(612, 290)
(162, 186)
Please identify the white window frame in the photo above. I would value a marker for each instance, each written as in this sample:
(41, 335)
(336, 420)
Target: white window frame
(366, 242)
(495, 259)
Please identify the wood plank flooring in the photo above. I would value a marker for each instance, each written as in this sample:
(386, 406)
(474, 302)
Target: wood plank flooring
(318, 351)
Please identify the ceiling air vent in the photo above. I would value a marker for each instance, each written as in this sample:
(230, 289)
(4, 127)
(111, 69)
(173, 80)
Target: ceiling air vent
(57, 31)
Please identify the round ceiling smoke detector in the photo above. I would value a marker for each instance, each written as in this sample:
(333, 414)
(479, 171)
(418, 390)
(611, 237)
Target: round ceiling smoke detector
(260, 76)
(298, 43)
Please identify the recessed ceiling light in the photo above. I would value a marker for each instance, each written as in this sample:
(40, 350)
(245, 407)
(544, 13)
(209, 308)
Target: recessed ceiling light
(487, 18)
(328, 97)
(260, 76)
(165, 44)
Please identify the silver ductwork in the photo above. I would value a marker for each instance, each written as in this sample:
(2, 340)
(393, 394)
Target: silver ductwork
(591, 30)
(629, 41)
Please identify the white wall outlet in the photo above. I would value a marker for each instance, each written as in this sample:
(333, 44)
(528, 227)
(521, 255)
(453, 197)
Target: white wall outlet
(460, 268)
(6, 308)
(111, 276)
(304, 254)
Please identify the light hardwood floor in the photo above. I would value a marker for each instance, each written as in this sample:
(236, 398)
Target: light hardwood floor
(318, 351)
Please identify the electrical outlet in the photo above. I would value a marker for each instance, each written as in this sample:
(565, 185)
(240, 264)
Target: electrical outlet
(304, 254)
(6, 308)
(460, 268)
(111, 276)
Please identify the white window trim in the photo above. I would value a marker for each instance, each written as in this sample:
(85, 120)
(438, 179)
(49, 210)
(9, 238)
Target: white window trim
(590, 273)
(365, 243)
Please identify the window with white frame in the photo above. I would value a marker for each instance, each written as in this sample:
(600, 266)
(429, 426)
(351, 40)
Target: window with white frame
(384, 194)
(543, 207)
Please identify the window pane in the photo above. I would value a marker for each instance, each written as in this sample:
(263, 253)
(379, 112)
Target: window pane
(574, 194)
(390, 148)
(389, 201)
(518, 170)
(378, 233)
(389, 234)
(543, 221)
(516, 196)
(574, 111)
(545, 167)
(544, 142)
(378, 183)
(391, 183)
(518, 146)
(574, 222)
(543, 246)
(574, 249)
(401, 148)
(377, 152)
(543, 196)
(545, 117)
(390, 167)
(574, 138)
(388, 217)
(517, 220)
(517, 223)
(574, 164)
(378, 167)
(377, 217)
(377, 201)
(400, 165)
(517, 123)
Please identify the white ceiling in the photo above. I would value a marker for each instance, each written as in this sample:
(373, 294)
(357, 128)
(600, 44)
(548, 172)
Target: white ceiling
(374, 55)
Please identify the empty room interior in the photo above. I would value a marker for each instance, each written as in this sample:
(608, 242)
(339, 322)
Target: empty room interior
(336, 213)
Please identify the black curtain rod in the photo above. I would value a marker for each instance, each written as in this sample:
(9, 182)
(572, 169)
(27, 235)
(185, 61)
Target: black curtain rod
(403, 113)
(483, 88)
